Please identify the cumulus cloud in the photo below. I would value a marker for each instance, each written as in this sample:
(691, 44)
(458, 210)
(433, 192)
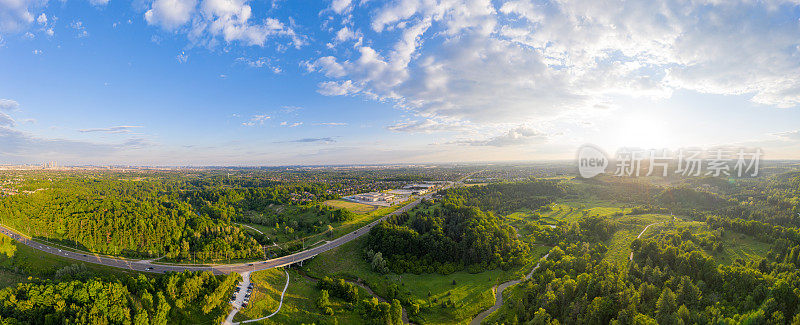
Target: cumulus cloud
(208, 21)
(17, 14)
(517, 61)
(340, 6)
(338, 88)
(170, 14)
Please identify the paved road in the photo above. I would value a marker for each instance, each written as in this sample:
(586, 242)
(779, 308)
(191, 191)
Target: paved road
(237, 303)
(147, 266)
(280, 304)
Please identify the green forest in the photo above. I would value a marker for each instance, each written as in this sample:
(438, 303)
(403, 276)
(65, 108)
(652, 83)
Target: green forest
(181, 218)
(178, 298)
(722, 251)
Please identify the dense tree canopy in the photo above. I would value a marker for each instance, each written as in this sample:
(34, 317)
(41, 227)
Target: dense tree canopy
(177, 298)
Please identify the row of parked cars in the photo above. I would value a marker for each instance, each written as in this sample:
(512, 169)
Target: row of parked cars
(246, 295)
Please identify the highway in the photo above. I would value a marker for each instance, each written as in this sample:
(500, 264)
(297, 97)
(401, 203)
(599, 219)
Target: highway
(147, 266)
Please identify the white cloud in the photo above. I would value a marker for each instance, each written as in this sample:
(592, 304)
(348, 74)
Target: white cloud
(170, 14)
(78, 26)
(517, 136)
(113, 129)
(430, 125)
(345, 34)
(8, 105)
(340, 6)
(788, 135)
(6, 120)
(98, 2)
(17, 14)
(331, 124)
(259, 63)
(210, 20)
(334, 88)
(258, 119)
(295, 124)
(523, 61)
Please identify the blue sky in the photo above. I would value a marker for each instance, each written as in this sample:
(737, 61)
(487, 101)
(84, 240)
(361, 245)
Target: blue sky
(233, 82)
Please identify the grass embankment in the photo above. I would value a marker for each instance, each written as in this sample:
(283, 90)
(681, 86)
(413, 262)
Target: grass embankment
(28, 262)
(471, 294)
(299, 303)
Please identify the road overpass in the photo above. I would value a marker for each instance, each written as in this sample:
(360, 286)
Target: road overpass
(148, 266)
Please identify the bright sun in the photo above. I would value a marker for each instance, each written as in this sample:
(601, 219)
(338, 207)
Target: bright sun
(644, 133)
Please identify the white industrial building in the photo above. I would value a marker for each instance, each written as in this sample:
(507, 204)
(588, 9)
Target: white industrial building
(374, 197)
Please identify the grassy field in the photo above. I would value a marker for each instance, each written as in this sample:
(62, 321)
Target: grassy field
(31, 262)
(568, 211)
(471, 294)
(741, 246)
(341, 228)
(299, 304)
(357, 208)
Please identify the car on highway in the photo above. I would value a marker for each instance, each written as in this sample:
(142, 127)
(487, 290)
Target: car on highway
(149, 268)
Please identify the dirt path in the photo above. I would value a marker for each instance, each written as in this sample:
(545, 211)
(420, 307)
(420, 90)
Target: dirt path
(640, 236)
(365, 287)
(499, 293)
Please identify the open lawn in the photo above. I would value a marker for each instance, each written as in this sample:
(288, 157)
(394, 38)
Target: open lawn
(471, 294)
(357, 208)
(31, 262)
(740, 246)
(299, 304)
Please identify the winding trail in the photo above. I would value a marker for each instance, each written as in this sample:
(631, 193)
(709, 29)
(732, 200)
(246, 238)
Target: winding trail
(503, 286)
(499, 293)
(244, 225)
(640, 236)
(280, 304)
(365, 287)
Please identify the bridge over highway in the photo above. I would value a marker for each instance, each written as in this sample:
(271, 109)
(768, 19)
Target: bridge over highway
(149, 266)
